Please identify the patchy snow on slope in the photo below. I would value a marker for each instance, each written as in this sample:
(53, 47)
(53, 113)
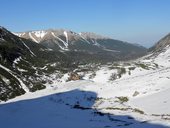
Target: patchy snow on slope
(16, 61)
(19, 34)
(66, 35)
(30, 34)
(7, 81)
(65, 78)
(1, 37)
(27, 48)
(65, 43)
(95, 43)
(80, 34)
(22, 70)
(103, 75)
(40, 34)
(110, 50)
(20, 81)
(139, 99)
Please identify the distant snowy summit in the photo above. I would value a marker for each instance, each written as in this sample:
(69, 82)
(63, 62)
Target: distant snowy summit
(66, 40)
(40, 35)
(28, 59)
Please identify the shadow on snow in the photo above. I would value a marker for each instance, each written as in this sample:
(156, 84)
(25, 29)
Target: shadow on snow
(72, 109)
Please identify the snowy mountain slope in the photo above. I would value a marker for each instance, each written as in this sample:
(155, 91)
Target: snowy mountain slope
(120, 94)
(21, 63)
(73, 103)
(77, 104)
(14, 50)
(89, 43)
(139, 99)
(160, 45)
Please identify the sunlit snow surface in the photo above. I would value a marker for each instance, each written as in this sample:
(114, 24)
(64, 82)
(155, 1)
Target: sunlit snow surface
(94, 103)
(40, 34)
(30, 34)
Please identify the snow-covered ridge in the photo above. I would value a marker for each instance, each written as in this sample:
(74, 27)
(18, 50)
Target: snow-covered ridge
(36, 36)
(40, 34)
(19, 34)
(33, 38)
(73, 41)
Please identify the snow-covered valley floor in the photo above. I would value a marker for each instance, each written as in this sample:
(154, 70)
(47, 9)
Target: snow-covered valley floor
(139, 100)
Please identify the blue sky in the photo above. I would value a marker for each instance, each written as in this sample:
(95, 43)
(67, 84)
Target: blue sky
(135, 21)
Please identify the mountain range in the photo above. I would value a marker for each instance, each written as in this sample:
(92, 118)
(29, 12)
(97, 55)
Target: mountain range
(57, 78)
(84, 43)
(27, 57)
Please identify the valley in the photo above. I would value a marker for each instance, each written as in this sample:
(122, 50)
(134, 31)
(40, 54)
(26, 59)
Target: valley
(39, 84)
